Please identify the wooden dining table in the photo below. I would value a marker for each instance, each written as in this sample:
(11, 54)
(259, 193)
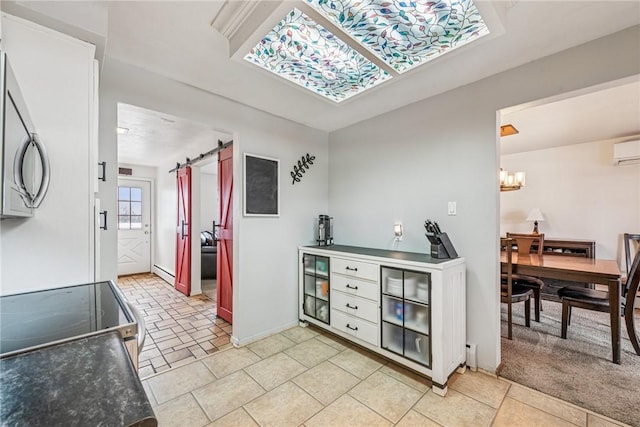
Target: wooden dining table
(575, 269)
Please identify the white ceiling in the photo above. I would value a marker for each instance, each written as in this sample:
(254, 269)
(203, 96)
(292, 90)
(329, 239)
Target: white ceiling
(611, 113)
(153, 137)
(176, 39)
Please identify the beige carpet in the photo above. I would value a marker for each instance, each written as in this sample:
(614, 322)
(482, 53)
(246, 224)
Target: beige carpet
(578, 369)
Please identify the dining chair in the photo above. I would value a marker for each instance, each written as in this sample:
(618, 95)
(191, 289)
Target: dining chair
(631, 286)
(524, 242)
(511, 292)
(629, 249)
(591, 299)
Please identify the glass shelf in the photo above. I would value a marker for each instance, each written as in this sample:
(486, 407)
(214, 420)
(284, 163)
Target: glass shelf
(312, 272)
(406, 313)
(316, 302)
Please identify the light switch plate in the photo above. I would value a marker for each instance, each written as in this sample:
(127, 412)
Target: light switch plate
(451, 208)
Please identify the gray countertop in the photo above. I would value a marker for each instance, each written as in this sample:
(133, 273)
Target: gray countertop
(383, 253)
(86, 382)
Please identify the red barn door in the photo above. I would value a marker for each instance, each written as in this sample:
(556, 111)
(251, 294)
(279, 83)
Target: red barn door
(183, 232)
(225, 235)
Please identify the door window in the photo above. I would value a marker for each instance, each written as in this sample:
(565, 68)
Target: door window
(129, 208)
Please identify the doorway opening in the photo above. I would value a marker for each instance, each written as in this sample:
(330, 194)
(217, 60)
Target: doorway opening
(150, 144)
(565, 148)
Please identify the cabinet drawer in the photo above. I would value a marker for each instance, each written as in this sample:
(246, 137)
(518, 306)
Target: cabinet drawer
(363, 270)
(366, 331)
(356, 306)
(355, 287)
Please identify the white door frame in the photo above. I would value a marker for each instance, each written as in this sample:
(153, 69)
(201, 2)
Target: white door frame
(152, 214)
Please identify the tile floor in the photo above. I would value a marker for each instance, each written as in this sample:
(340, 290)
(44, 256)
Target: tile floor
(180, 329)
(304, 376)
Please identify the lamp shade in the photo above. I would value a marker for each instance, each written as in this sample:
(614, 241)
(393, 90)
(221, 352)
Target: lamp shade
(535, 215)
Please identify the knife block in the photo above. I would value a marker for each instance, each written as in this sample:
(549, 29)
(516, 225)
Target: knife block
(441, 246)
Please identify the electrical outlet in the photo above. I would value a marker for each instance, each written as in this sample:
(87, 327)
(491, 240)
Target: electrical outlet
(397, 230)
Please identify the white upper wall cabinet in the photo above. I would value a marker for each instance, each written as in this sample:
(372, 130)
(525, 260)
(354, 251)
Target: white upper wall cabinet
(56, 76)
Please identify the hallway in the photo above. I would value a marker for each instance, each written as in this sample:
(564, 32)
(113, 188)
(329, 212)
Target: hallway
(180, 329)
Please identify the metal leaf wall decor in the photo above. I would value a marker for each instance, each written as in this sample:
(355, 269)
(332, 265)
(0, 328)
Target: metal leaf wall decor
(301, 167)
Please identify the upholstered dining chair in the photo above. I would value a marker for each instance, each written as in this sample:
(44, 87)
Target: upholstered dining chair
(524, 242)
(591, 299)
(511, 292)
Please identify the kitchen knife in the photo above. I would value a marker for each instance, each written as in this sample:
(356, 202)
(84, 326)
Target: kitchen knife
(437, 228)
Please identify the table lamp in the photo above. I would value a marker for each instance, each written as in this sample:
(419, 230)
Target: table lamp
(535, 215)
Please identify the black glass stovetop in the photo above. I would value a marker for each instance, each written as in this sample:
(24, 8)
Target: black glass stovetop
(40, 318)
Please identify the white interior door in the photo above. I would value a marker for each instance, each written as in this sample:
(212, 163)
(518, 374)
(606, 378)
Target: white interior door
(134, 226)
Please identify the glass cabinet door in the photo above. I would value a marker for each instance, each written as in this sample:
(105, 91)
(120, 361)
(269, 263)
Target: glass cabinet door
(316, 287)
(406, 313)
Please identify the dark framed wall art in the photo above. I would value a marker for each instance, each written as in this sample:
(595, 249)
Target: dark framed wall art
(261, 186)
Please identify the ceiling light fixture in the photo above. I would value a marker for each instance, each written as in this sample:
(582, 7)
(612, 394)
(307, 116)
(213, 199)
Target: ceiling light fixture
(508, 129)
(402, 34)
(407, 33)
(306, 53)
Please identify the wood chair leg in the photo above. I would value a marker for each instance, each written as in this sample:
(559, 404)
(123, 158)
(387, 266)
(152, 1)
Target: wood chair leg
(509, 320)
(536, 295)
(527, 313)
(565, 318)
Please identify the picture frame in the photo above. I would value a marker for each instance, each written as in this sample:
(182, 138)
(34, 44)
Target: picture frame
(261, 186)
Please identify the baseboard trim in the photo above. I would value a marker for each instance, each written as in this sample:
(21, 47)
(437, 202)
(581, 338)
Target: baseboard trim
(164, 274)
(238, 342)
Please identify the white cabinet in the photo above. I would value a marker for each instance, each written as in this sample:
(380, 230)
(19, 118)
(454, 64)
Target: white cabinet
(407, 307)
(56, 74)
(354, 302)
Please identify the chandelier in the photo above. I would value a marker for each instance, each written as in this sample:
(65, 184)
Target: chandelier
(511, 181)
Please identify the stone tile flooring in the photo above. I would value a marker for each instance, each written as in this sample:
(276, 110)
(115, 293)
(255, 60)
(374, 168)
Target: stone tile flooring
(180, 329)
(304, 376)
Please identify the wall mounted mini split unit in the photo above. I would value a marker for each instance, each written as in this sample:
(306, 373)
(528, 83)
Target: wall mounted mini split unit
(626, 152)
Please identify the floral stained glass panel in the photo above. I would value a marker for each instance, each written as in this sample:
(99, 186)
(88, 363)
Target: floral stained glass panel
(306, 53)
(406, 33)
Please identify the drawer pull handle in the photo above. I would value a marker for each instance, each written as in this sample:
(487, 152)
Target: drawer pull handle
(352, 268)
(353, 329)
(354, 307)
(352, 287)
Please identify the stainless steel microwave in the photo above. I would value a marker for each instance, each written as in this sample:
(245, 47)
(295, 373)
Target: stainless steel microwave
(24, 168)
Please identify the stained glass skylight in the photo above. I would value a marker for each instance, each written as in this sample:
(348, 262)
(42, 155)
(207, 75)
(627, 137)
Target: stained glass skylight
(406, 33)
(306, 53)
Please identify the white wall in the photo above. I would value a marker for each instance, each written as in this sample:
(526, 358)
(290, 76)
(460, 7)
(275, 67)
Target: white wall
(166, 211)
(55, 246)
(406, 165)
(208, 201)
(581, 194)
(265, 249)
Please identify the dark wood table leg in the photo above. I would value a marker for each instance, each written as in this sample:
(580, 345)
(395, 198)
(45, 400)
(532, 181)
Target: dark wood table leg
(614, 305)
(631, 325)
